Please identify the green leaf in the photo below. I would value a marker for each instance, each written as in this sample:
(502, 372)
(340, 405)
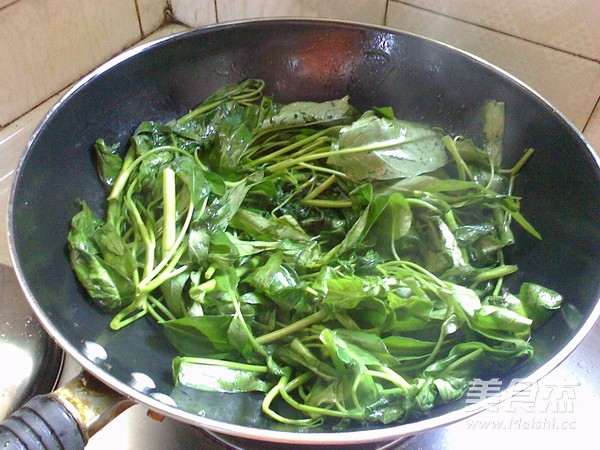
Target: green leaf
(472, 154)
(279, 282)
(193, 177)
(173, 292)
(297, 354)
(238, 337)
(498, 318)
(259, 227)
(385, 111)
(83, 227)
(361, 226)
(357, 387)
(451, 388)
(198, 244)
(347, 347)
(222, 210)
(392, 149)
(219, 378)
(109, 288)
(405, 347)
(199, 336)
(540, 302)
(114, 249)
(412, 312)
(465, 300)
(367, 348)
(506, 300)
(469, 234)
(300, 113)
(222, 252)
(347, 292)
(234, 133)
(109, 162)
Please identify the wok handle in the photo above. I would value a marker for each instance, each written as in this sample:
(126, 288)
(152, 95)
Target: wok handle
(64, 419)
(42, 423)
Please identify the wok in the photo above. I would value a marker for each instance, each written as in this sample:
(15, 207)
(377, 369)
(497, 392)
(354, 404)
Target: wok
(422, 80)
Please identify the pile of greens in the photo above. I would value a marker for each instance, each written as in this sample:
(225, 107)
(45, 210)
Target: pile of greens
(350, 265)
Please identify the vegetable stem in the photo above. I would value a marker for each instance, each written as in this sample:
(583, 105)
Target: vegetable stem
(293, 327)
(521, 162)
(288, 148)
(463, 359)
(496, 272)
(223, 363)
(321, 188)
(461, 166)
(168, 258)
(272, 395)
(323, 203)
(317, 411)
(385, 373)
(169, 210)
(345, 151)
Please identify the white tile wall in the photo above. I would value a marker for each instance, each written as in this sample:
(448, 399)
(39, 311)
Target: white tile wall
(569, 25)
(195, 13)
(151, 14)
(202, 12)
(370, 11)
(39, 59)
(47, 44)
(570, 83)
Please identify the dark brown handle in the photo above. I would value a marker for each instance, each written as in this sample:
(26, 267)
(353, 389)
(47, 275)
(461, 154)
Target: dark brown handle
(42, 423)
(64, 419)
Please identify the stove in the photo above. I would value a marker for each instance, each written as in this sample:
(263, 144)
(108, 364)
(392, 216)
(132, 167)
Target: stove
(558, 411)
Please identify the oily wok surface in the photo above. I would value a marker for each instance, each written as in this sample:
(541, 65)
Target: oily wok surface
(421, 80)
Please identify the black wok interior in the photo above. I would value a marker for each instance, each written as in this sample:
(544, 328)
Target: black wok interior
(299, 60)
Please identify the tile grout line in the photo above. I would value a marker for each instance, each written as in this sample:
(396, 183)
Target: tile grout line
(217, 11)
(139, 17)
(485, 27)
(589, 119)
(385, 13)
(8, 4)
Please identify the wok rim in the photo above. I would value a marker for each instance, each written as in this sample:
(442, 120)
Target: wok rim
(386, 433)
